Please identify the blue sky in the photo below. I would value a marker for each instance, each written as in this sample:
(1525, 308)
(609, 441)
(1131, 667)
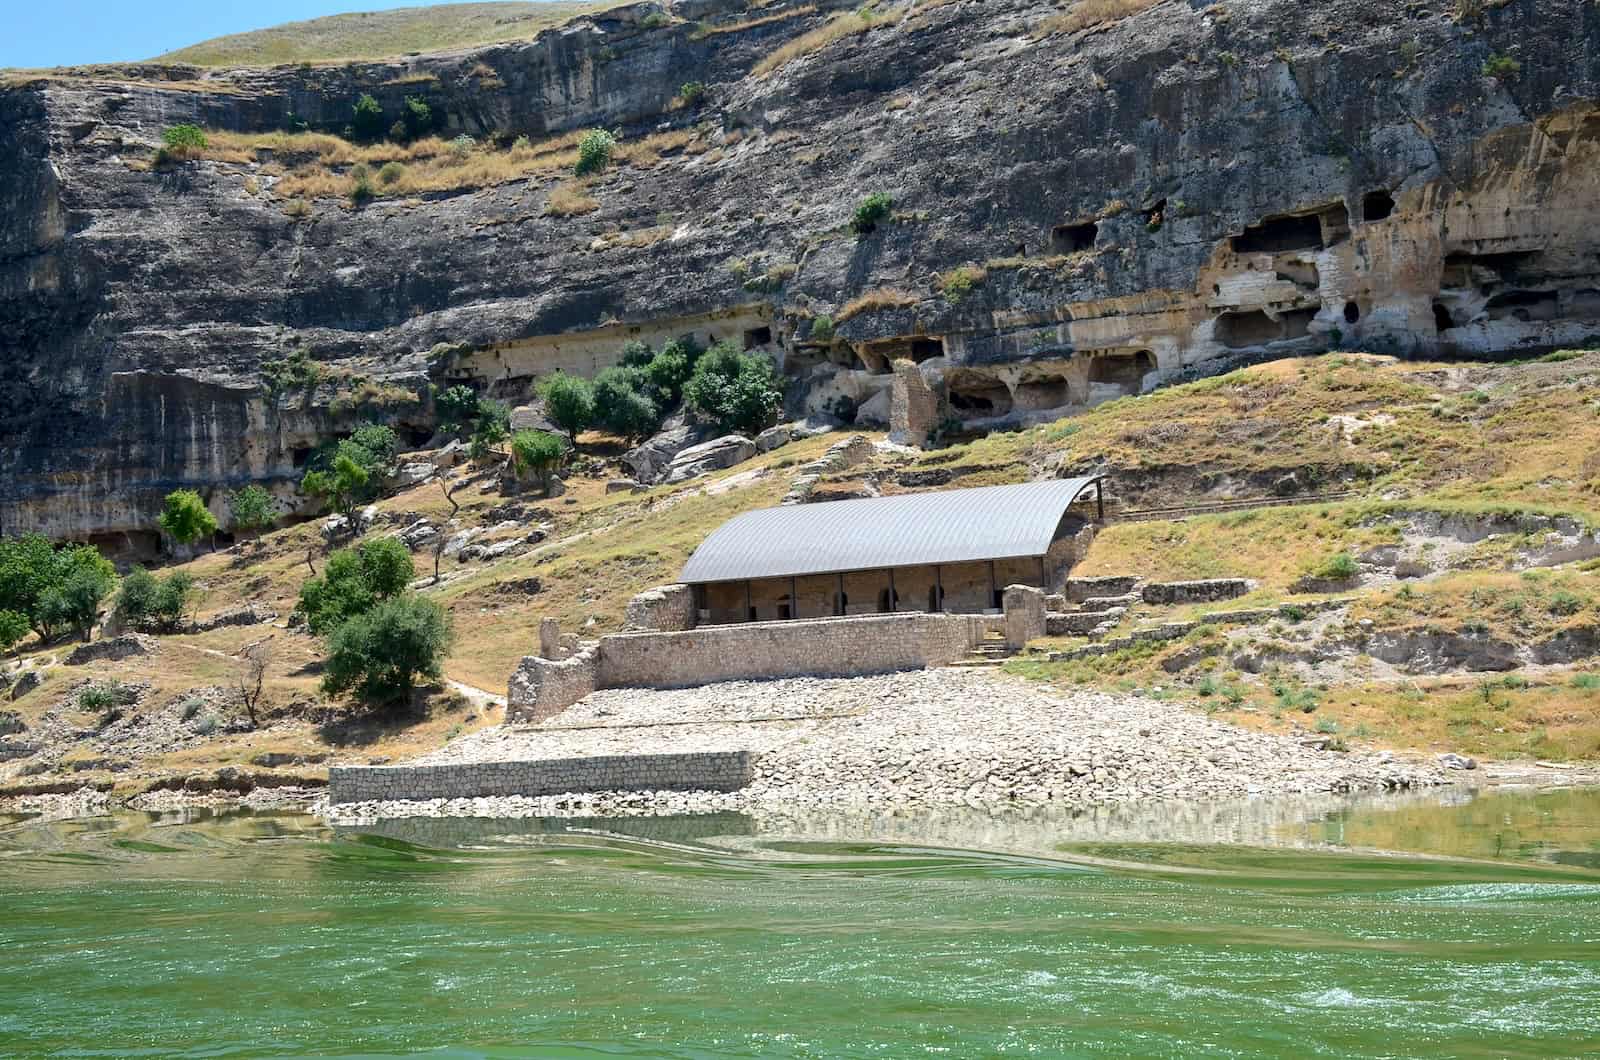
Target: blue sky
(64, 32)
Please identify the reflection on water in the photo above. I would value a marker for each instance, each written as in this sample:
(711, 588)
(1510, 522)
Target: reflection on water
(1438, 923)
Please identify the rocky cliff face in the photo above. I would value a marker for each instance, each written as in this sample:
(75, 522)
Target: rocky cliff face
(1076, 216)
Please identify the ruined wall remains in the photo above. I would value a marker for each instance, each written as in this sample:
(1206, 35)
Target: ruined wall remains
(540, 688)
(709, 771)
(1025, 615)
(764, 650)
(664, 609)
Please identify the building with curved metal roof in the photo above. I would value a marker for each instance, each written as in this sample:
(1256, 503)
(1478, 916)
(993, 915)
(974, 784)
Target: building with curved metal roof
(948, 550)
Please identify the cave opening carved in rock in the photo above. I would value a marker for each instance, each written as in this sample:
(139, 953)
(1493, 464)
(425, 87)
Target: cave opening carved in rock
(1275, 234)
(975, 395)
(1125, 371)
(1042, 386)
(1525, 306)
(1376, 205)
(1072, 238)
(1241, 330)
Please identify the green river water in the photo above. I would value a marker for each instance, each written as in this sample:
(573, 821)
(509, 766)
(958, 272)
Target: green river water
(1445, 924)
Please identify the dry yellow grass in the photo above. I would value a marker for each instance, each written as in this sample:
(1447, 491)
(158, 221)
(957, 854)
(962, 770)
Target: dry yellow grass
(1084, 14)
(571, 200)
(752, 23)
(318, 165)
(881, 298)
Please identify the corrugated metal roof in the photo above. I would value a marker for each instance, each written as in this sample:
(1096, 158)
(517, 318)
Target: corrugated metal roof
(949, 526)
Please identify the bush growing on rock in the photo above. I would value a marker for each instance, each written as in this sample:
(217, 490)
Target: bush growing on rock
(185, 517)
(822, 328)
(1339, 567)
(380, 655)
(739, 392)
(355, 581)
(569, 402)
(594, 151)
(367, 121)
(870, 211)
(179, 142)
(538, 453)
(418, 119)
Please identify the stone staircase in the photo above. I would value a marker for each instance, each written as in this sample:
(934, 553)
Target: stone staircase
(990, 652)
(1092, 607)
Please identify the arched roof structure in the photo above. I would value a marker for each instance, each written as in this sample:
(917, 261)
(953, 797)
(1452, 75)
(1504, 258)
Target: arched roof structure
(914, 529)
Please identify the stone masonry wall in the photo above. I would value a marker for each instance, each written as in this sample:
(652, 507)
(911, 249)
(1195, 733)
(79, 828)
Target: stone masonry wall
(711, 771)
(1195, 592)
(765, 650)
(540, 688)
(665, 608)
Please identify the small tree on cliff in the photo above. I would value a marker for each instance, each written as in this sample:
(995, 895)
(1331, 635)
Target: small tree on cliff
(537, 452)
(185, 517)
(13, 627)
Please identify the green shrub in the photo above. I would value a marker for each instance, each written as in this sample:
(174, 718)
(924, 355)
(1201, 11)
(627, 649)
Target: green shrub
(361, 189)
(1501, 68)
(461, 147)
(636, 353)
(1586, 682)
(691, 93)
(103, 696)
(457, 409)
(391, 172)
(1327, 725)
(667, 373)
(145, 601)
(493, 427)
(418, 119)
(1338, 567)
(251, 508)
(870, 211)
(367, 122)
(297, 371)
(379, 655)
(538, 453)
(1208, 686)
(569, 401)
(354, 582)
(622, 404)
(738, 392)
(1565, 603)
(594, 151)
(822, 328)
(340, 487)
(185, 517)
(180, 141)
(1304, 700)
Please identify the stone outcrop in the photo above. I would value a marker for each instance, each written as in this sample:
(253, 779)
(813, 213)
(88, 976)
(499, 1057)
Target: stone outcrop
(702, 459)
(1183, 190)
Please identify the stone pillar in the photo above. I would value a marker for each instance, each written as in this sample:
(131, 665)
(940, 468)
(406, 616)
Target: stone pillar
(550, 639)
(1025, 611)
(913, 406)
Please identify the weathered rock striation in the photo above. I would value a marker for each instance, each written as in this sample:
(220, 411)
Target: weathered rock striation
(1155, 198)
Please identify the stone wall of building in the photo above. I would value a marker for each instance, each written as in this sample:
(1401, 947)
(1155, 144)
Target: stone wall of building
(665, 608)
(1025, 615)
(710, 771)
(1195, 592)
(765, 650)
(540, 688)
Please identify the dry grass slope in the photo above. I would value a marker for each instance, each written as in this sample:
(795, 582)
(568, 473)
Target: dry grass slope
(385, 34)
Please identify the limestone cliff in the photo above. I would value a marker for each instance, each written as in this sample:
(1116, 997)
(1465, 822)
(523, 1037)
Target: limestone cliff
(1159, 195)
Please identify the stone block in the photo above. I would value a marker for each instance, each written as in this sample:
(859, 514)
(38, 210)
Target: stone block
(1025, 615)
(666, 609)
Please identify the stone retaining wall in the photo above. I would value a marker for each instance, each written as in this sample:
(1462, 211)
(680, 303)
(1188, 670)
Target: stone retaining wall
(710, 771)
(1196, 592)
(753, 651)
(837, 647)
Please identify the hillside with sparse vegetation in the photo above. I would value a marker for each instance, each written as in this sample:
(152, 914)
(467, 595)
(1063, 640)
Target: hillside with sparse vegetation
(384, 34)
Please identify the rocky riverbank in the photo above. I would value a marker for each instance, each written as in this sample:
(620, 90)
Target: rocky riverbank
(935, 737)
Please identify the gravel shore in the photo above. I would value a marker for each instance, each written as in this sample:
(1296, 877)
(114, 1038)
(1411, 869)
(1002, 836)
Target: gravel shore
(937, 737)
